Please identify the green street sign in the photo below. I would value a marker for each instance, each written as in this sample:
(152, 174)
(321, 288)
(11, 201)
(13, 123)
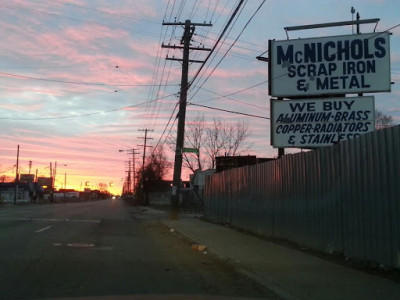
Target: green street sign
(190, 150)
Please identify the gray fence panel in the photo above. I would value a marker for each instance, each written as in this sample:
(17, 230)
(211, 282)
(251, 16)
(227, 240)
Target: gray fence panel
(344, 198)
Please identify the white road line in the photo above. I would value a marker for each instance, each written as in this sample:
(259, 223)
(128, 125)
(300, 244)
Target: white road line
(51, 220)
(45, 228)
(16, 219)
(83, 221)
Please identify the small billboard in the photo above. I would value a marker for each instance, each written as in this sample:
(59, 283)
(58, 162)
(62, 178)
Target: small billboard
(315, 123)
(45, 181)
(26, 178)
(358, 63)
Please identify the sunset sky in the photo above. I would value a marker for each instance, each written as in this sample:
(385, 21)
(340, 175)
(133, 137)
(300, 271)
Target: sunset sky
(80, 78)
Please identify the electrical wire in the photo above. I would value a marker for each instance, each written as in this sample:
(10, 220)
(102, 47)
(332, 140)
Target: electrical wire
(87, 114)
(30, 10)
(234, 93)
(218, 40)
(223, 57)
(78, 82)
(227, 97)
(166, 126)
(229, 111)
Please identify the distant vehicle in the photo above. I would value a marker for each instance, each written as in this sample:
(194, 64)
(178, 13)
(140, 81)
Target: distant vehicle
(113, 197)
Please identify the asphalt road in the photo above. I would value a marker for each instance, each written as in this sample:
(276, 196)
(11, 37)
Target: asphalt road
(104, 248)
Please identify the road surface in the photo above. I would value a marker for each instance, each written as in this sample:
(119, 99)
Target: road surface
(104, 248)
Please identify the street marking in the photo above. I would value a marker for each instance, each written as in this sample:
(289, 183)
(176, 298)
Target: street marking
(45, 228)
(50, 220)
(16, 219)
(104, 248)
(80, 245)
(85, 246)
(83, 221)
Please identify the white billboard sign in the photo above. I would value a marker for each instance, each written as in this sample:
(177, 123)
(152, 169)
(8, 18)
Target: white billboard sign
(320, 122)
(330, 65)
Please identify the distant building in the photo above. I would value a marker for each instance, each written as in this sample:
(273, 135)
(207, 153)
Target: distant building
(230, 162)
(26, 192)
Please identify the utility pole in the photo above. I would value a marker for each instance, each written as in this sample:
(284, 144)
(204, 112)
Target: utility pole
(145, 144)
(185, 42)
(132, 151)
(55, 171)
(133, 168)
(16, 177)
(144, 189)
(128, 184)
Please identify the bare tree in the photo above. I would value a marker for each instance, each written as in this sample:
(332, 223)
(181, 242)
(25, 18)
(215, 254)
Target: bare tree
(102, 187)
(217, 139)
(236, 135)
(382, 120)
(225, 139)
(155, 169)
(194, 138)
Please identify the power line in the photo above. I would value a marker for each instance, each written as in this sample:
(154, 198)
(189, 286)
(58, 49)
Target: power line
(229, 111)
(231, 99)
(76, 19)
(79, 82)
(218, 40)
(87, 114)
(166, 126)
(223, 57)
(231, 94)
(104, 12)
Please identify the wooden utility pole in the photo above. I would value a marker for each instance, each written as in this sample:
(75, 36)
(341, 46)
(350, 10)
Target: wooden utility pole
(16, 177)
(129, 177)
(185, 42)
(143, 187)
(133, 168)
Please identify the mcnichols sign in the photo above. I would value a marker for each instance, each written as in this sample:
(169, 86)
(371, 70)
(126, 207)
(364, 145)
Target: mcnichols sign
(330, 65)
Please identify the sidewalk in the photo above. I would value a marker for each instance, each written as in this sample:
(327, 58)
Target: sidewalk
(290, 273)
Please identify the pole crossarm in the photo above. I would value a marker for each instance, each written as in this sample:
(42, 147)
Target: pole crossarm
(182, 47)
(184, 23)
(181, 60)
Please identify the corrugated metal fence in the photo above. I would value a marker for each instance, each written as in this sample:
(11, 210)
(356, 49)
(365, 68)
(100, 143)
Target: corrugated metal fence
(344, 198)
